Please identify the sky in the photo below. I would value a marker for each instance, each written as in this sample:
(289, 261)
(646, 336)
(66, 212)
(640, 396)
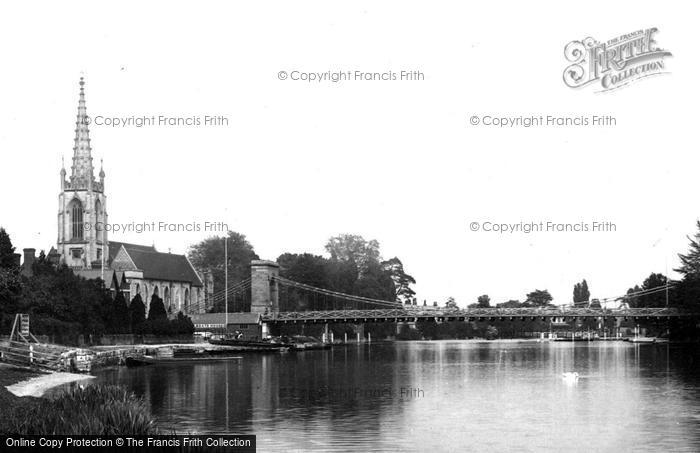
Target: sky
(393, 160)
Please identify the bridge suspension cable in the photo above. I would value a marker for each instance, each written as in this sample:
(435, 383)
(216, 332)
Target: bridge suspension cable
(238, 288)
(335, 294)
(644, 292)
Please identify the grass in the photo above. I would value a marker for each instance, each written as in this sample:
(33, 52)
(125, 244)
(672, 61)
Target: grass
(98, 409)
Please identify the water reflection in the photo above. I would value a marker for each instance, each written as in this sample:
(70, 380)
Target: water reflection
(438, 395)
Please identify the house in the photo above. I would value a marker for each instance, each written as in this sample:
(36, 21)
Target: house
(248, 324)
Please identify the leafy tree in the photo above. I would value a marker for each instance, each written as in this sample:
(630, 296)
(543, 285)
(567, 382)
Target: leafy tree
(630, 299)
(354, 248)
(10, 290)
(63, 304)
(539, 298)
(450, 303)
(581, 293)
(491, 333)
(209, 254)
(483, 301)
(181, 325)
(120, 314)
(156, 309)
(402, 281)
(137, 314)
(7, 251)
(375, 283)
(510, 304)
(657, 299)
(305, 268)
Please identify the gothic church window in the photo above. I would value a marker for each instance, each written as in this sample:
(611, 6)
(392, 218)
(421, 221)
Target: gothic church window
(76, 219)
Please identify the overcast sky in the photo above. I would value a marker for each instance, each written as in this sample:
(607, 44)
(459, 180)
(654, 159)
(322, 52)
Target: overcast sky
(396, 161)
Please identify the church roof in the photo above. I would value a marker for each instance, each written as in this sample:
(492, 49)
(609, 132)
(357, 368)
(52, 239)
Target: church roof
(112, 278)
(114, 247)
(156, 265)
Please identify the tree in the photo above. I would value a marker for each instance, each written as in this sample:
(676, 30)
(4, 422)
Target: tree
(483, 301)
(7, 251)
(354, 248)
(305, 268)
(510, 304)
(539, 298)
(491, 333)
(156, 309)
(181, 325)
(655, 299)
(120, 314)
(690, 262)
(137, 314)
(402, 280)
(630, 300)
(451, 303)
(581, 293)
(209, 255)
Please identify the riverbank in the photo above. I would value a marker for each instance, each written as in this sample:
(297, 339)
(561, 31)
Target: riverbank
(10, 375)
(95, 409)
(37, 386)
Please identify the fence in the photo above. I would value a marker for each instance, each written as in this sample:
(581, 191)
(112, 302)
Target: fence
(33, 354)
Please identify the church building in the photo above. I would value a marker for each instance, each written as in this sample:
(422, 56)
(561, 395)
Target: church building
(83, 243)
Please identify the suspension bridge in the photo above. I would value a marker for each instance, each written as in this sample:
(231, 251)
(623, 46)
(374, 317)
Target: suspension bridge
(280, 300)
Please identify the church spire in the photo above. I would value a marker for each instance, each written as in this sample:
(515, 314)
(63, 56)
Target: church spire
(82, 171)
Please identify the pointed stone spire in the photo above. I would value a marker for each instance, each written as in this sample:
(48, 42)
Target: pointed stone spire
(82, 174)
(101, 186)
(63, 173)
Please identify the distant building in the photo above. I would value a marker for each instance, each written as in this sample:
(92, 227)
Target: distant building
(249, 325)
(83, 242)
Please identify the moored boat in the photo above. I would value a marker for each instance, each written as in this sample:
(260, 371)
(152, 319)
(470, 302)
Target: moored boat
(247, 343)
(642, 340)
(154, 360)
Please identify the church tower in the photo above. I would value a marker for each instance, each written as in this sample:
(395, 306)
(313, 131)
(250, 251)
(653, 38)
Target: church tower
(82, 205)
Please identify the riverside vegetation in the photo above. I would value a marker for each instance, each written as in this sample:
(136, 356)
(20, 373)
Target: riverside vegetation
(96, 410)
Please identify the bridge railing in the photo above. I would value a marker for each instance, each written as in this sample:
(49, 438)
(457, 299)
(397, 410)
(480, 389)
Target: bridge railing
(433, 312)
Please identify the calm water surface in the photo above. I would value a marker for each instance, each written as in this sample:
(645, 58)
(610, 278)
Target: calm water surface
(438, 396)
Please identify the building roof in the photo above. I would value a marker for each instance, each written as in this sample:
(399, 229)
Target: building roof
(115, 246)
(156, 265)
(220, 318)
(112, 279)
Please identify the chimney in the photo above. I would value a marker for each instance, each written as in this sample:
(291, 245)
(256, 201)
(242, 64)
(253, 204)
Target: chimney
(18, 259)
(29, 258)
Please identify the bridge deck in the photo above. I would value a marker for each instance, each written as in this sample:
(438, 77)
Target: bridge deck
(424, 313)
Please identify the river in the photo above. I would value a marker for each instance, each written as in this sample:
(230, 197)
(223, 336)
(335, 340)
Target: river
(437, 396)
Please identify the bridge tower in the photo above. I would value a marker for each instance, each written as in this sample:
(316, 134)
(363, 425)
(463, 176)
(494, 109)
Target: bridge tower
(264, 287)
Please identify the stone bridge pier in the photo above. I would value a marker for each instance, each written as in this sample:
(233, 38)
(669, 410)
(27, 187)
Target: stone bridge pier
(264, 297)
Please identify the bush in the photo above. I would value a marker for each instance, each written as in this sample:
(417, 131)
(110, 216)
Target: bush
(407, 333)
(156, 310)
(97, 410)
(137, 314)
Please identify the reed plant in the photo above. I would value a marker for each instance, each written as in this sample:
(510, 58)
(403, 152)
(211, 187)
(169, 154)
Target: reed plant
(96, 409)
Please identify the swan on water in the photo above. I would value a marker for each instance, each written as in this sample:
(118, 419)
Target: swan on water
(570, 376)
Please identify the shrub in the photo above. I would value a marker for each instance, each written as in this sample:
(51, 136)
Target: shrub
(137, 314)
(156, 309)
(98, 410)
